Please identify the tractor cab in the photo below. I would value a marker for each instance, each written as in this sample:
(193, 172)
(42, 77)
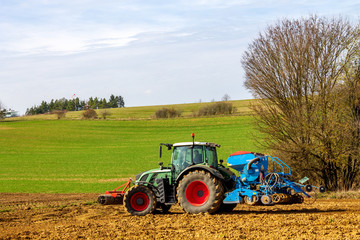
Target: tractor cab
(193, 153)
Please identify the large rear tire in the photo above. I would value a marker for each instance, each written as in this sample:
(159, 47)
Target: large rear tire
(140, 200)
(199, 191)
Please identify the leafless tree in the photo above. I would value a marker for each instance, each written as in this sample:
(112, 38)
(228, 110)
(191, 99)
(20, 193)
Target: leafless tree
(225, 98)
(296, 68)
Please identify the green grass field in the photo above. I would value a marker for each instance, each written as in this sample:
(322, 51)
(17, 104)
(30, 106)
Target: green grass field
(63, 156)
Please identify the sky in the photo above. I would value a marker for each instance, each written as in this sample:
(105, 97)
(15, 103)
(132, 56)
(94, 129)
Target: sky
(150, 52)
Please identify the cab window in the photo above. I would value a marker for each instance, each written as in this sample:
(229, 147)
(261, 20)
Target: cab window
(181, 158)
(211, 156)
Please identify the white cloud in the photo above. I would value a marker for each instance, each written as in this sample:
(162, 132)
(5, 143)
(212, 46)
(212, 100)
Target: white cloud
(45, 39)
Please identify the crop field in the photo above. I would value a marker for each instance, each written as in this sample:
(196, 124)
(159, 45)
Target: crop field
(84, 156)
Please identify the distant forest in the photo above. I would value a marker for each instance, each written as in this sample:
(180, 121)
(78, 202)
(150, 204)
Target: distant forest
(76, 104)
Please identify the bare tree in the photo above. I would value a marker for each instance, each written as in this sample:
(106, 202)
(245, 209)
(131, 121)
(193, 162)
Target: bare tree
(296, 68)
(350, 92)
(225, 98)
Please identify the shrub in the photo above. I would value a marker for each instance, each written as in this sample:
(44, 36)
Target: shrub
(90, 114)
(104, 114)
(167, 113)
(217, 109)
(60, 113)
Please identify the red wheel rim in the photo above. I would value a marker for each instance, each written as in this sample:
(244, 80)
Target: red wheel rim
(139, 201)
(197, 193)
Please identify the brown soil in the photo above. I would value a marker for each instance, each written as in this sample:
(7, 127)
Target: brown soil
(78, 216)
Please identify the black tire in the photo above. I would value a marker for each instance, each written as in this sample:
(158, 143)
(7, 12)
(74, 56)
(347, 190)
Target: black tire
(227, 207)
(199, 192)
(140, 200)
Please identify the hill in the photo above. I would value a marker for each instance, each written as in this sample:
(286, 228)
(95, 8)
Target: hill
(145, 112)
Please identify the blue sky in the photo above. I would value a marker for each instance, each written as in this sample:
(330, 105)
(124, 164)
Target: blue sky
(149, 52)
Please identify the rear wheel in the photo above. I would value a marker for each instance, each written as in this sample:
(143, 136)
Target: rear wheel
(199, 191)
(140, 200)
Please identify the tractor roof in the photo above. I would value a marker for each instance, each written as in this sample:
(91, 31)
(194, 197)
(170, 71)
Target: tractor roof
(196, 144)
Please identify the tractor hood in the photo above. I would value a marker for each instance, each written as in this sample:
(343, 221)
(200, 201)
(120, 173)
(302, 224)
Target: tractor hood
(150, 175)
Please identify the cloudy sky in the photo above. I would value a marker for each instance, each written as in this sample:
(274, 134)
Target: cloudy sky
(150, 52)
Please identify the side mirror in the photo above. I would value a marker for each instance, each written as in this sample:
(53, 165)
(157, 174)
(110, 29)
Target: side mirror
(221, 162)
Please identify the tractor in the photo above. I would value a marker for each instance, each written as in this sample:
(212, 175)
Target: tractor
(194, 179)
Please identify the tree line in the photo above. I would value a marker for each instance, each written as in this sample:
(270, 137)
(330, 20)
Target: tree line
(76, 104)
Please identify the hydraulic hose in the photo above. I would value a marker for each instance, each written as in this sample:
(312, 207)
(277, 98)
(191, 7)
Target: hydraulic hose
(251, 162)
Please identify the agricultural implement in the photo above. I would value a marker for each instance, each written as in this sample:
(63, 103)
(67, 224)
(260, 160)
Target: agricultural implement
(115, 196)
(255, 184)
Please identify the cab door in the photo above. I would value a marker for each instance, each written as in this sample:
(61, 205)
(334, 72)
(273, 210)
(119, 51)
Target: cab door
(181, 158)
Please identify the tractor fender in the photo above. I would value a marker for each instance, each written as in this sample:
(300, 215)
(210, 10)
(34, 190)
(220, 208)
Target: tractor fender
(147, 184)
(212, 171)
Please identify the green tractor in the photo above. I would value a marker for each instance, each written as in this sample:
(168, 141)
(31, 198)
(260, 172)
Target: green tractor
(194, 179)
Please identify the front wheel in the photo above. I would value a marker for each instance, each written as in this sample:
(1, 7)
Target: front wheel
(199, 191)
(140, 200)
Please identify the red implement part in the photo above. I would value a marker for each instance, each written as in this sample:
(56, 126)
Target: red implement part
(115, 192)
(240, 153)
(115, 196)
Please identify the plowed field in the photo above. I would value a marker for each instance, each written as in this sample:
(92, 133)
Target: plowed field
(78, 216)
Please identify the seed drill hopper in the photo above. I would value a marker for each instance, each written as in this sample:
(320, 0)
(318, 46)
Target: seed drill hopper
(255, 184)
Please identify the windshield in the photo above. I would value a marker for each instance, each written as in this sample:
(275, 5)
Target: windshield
(182, 157)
